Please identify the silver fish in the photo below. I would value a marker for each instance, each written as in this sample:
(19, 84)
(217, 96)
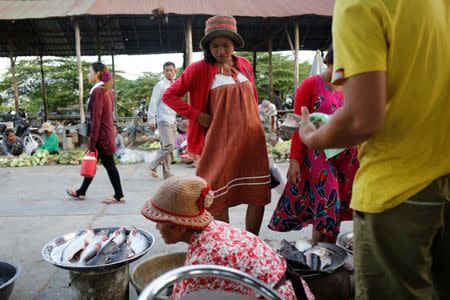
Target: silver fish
(111, 253)
(94, 246)
(101, 257)
(78, 243)
(137, 241)
(119, 236)
(123, 253)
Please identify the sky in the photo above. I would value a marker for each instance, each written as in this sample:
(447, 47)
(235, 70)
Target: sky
(135, 65)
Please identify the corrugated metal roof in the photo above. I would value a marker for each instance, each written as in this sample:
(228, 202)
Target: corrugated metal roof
(132, 27)
(19, 9)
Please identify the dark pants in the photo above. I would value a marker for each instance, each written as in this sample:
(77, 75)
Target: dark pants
(404, 253)
(113, 173)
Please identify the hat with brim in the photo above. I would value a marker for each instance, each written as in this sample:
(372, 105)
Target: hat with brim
(221, 26)
(181, 201)
(47, 126)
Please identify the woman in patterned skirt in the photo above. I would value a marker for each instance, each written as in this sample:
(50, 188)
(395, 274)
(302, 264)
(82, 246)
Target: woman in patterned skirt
(319, 189)
(224, 127)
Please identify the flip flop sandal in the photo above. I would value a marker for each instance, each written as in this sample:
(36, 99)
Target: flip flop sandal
(112, 200)
(74, 195)
(154, 174)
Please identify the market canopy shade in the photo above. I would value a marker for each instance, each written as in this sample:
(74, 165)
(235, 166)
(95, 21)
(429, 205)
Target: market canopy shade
(47, 27)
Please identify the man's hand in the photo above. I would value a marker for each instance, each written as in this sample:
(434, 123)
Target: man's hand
(307, 129)
(204, 120)
(152, 126)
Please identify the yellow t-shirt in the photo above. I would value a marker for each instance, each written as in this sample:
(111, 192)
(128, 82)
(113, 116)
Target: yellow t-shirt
(410, 40)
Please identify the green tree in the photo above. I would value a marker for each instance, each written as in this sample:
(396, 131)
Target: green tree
(130, 92)
(61, 79)
(282, 73)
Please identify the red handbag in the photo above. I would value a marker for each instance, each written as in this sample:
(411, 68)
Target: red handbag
(89, 164)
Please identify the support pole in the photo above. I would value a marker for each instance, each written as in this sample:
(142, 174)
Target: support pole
(80, 72)
(254, 63)
(115, 87)
(188, 46)
(44, 88)
(188, 38)
(296, 49)
(14, 81)
(270, 68)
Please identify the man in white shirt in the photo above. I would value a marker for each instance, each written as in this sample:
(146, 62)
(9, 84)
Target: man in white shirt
(159, 114)
(268, 115)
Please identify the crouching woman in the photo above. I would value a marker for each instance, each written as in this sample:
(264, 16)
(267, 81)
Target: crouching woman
(179, 209)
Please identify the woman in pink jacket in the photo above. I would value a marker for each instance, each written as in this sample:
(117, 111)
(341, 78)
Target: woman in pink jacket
(225, 129)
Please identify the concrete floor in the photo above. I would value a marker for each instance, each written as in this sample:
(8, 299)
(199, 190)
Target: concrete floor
(35, 210)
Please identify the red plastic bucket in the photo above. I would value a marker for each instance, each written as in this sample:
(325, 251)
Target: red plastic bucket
(89, 164)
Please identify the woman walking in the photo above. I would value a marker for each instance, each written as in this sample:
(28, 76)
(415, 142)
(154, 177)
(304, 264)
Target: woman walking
(101, 131)
(225, 128)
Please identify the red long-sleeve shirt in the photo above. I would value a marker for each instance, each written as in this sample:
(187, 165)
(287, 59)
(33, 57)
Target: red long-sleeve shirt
(303, 97)
(102, 134)
(197, 80)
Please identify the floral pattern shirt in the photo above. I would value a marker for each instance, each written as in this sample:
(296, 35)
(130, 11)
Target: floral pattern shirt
(224, 245)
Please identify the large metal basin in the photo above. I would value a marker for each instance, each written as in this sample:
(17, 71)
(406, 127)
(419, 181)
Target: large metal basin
(57, 245)
(150, 269)
(9, 272)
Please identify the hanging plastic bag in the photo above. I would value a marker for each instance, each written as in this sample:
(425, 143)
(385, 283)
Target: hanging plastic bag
(31, 146)
(277, 180)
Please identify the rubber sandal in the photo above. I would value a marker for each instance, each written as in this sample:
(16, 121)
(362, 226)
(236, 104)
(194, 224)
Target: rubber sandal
(73, 194)
(112, 200)
(153, 174)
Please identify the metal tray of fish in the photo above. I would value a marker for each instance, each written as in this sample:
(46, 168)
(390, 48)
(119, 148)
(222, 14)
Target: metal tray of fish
(307, 260)
(337, 256)
(344, 241)
(52, 251)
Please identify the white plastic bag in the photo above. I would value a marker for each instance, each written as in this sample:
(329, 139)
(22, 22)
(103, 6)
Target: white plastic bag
(31, 146)
(276, 173)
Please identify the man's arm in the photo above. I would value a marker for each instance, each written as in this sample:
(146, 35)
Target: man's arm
(361, 117)
(154, 101)
(5, 147)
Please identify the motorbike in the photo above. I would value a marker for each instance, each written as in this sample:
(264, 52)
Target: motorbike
(138, 125)
(282, 132)
(21, 127)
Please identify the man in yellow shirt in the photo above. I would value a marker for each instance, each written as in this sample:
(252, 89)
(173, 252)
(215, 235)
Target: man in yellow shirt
(393, 59)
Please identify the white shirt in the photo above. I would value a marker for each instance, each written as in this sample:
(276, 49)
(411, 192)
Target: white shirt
(158, 109)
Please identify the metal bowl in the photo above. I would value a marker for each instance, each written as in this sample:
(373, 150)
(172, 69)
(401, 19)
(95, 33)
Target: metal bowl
(9, 272)
(57, 245)
(343, 240)
(149, 269)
